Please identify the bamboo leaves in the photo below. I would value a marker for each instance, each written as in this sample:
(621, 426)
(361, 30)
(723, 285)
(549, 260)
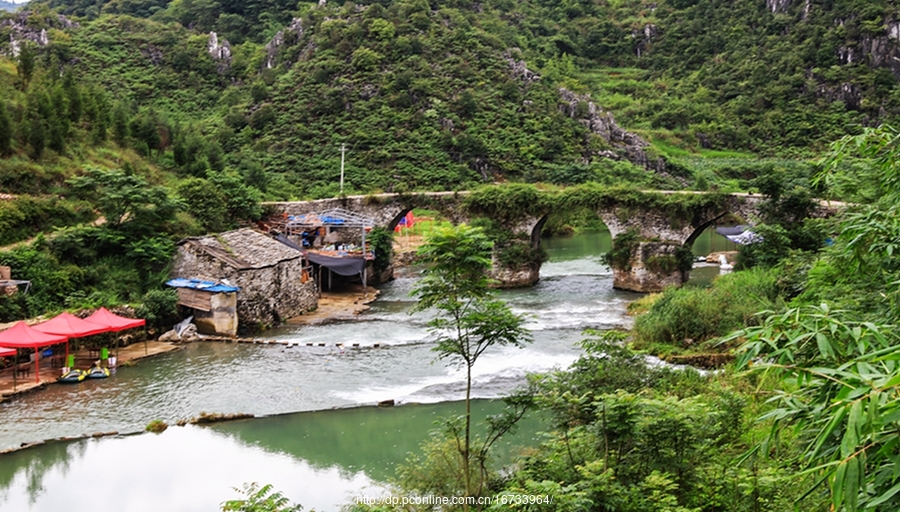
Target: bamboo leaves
(842, 394)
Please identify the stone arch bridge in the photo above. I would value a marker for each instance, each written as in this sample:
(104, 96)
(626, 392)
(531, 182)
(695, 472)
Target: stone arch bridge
(652, 230)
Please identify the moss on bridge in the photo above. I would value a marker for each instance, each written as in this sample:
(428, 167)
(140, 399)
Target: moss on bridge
(510, 203)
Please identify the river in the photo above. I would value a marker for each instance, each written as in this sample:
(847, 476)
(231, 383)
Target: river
(316, 458)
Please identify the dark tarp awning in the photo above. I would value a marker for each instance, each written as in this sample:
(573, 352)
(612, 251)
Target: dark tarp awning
(340, 266)
(286, 241)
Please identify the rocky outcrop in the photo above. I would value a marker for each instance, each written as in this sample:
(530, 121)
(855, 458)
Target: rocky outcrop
(21, 31)
(850, 94)
(884, 50)
(602, 123)
(294, 29)
(220, 52)
(807, 8)
(778, 6)
(519, 68)
(643, 38)
(153, 54)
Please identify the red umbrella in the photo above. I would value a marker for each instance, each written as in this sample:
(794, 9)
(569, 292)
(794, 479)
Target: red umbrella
(23, 336)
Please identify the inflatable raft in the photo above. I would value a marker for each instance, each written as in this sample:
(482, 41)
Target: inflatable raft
(97, 373)
(72, 376)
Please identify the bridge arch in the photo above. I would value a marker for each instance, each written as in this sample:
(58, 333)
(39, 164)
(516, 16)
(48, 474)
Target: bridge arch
(395, 221)
(664, 222)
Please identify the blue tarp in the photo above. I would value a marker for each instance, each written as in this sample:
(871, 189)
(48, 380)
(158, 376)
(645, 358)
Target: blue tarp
(197, 284)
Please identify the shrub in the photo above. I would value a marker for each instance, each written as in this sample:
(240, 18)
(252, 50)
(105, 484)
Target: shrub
(158, 307)
(687, 316)
(156, 426)
(382, 241)
(624, 244)
(262, 117)
(260, 499)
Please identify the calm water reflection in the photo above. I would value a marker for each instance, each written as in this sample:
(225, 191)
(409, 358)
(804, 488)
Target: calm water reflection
(319, 459)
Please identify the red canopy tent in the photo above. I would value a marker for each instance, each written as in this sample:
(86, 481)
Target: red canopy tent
(9, 352)
(115, 323)
(23, 336)
(67, 324)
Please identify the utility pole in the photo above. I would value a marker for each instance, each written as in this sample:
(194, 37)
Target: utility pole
(343, 150)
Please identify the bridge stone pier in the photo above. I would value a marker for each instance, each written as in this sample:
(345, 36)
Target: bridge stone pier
(658, 236)
(652, 231)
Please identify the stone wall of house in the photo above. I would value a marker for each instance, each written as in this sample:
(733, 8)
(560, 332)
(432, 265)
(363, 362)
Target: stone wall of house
(192, 262)
(271, 295)
(268, 295)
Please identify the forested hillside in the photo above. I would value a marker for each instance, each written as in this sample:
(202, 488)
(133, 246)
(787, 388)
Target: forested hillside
(449, 94)
(128, 124)
(222, 104)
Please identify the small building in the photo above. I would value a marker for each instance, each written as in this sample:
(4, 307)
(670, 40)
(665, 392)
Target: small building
(273, 279)
(214, 305)
(8, 285)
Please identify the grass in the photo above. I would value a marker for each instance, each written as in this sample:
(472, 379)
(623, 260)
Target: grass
(668, 148)
(684, 318)
(643, 305)
(157, 426)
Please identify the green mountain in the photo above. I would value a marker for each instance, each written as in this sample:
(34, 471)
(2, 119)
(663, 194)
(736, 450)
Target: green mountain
(440, 95)
(8, 6)
(452, 93)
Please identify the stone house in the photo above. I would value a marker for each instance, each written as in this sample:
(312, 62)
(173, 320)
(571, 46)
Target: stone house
(271, 276)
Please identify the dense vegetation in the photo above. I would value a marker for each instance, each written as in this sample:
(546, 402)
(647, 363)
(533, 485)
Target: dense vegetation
(430, 96)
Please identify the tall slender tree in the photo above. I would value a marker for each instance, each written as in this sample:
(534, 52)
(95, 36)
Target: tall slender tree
(120, 124)
(74, 97)
(25, 65)
(5, 131)
(470, 319)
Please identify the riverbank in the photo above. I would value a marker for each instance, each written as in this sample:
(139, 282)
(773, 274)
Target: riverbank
(338, 306)
(11, 385)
